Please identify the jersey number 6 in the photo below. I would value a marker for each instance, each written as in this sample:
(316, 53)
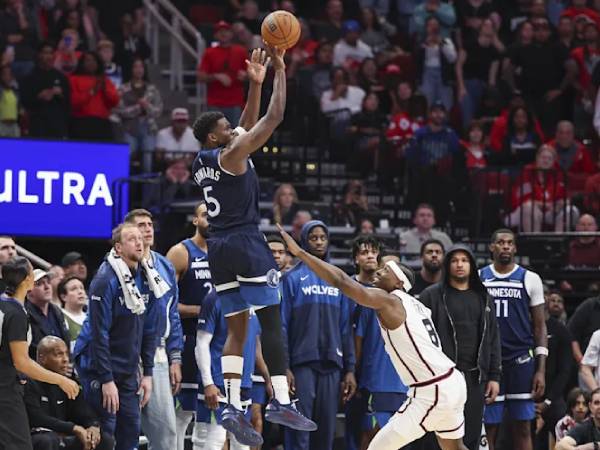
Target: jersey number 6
(211, 201)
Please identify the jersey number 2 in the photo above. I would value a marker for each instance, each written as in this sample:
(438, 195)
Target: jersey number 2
(211, 202)
(435, 340)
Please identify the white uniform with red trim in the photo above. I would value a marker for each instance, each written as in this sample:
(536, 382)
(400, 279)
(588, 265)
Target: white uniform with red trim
(437, 391)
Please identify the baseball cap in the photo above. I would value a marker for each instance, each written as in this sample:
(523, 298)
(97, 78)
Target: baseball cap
(71, 258)
(221, 25)
(180, 114)
(351, 26)
(438, 104)
(38, 274)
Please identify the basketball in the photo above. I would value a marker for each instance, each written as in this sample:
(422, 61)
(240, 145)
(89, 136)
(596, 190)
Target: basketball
(280, 29)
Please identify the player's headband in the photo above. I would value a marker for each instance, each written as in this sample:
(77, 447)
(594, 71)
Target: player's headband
(394, 267)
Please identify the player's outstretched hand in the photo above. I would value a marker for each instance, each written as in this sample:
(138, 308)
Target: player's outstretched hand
(276, 56)
(291, 244)
(256, 67)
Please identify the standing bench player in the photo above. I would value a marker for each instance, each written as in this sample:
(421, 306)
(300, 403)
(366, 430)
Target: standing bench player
(242, 267)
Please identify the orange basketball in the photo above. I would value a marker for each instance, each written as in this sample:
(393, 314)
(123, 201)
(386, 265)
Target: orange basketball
(280, 29)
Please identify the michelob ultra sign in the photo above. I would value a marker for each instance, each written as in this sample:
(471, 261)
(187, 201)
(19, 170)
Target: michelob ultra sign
(60, 188)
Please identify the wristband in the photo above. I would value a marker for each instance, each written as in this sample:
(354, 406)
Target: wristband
(540, 351)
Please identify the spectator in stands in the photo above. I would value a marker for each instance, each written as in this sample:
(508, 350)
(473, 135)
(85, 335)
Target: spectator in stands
(106, 51)
(321, 359)
(539, 196)
(8, 249)
(353, 206)
(140, 107)
(443, 13)
(542, 74)
(579, 8)
(372, 33)
(301, 218)
(342, 95)
(45, 318)
(559, 366)
(62, 422)
(17, 29)
(366, 128)
(500, 124)
(573, 157)
(589, 368)
(285, 204)
(577, 412)
(476, 69)
(55, 275)
(317, 79)
(555, 305)
(175, 184)
(582, 324)
(67, 55)
(565, 31)
(303, 53)
(584, 251)
(471, 14)
(368, 77)
(424, 221)
(88, 18)
(435, 59)
(93, 96)
(46, 94)
(475, 151)
(72, 295)
(585, 432)
(365, 226)
(223, 68)
(129, 44)
(71, 19)
(244, 36)
(432, 258)
(350, 51)
(179, 137)
(406, 119)
(330, 30)
(591, 192)
(521, 140)
(116, 335)
(249, 15)
(433, 153)
(74, 264)
(9, 103)
(465, 319)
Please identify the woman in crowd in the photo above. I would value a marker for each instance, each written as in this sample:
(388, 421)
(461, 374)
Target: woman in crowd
(93, 96)
(354, 205)
(539, 196)
(285, 204)
(372, 34)
(71, 292)
(366, 128)
(17, 275)
(139, 108)
(577, 412)
(475, 148)
(521, 140)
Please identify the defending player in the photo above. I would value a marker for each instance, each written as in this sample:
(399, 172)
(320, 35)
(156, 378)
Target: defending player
(519, 297)
(437, 391)
(243, 269)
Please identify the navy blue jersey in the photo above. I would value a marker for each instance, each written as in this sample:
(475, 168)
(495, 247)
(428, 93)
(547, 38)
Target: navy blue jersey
(377, 373)
(195, 284)
(514, 294)
(232, 200)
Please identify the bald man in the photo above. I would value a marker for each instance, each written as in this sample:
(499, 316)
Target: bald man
(73, 424)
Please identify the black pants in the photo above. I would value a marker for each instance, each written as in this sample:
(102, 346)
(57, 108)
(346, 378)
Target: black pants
(473, 416)
(52, 441)
(14, 423)
(91, 128)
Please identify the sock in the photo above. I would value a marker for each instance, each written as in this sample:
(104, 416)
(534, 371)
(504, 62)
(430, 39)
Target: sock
(199, 436)
(215, 436)
(281, 390)
(232, 364)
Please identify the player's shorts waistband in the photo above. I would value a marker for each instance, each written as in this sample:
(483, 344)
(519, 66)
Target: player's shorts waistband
(250, 227)
(433, 380)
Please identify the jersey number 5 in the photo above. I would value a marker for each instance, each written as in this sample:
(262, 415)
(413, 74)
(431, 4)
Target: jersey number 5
(435, 340)
(211, 202)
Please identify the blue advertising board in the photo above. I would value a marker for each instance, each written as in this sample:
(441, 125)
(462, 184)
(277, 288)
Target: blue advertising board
(60, 188)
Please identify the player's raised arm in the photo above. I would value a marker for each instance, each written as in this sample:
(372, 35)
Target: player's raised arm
(234, 156)
(374, 298)
(256, 70)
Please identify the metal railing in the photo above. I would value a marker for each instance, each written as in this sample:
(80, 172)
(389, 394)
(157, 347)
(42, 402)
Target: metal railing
(185, 40)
